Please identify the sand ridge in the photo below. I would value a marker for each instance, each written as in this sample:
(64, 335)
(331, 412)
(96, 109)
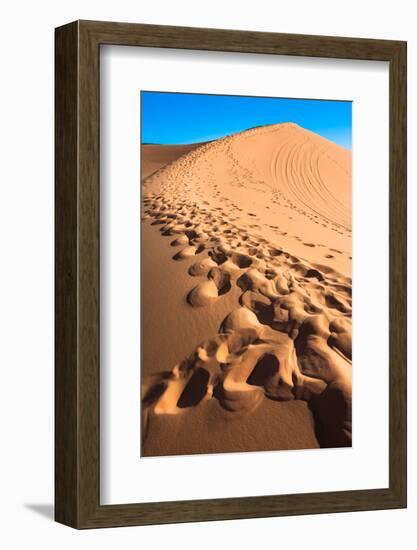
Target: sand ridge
(266, 212)
(156, 157)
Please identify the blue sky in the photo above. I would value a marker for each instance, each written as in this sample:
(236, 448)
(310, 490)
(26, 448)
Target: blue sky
(170, 118)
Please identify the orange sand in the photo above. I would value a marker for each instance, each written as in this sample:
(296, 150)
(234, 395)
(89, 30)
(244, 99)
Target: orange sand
(246, 296)
(155, 157)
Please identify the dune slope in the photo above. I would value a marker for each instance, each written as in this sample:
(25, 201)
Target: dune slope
(260, 222)
(155, 156)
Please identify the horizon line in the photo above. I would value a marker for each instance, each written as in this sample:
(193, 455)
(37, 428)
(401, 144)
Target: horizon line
(222, 136)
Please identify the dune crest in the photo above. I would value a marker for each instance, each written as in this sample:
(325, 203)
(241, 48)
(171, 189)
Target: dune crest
(266, 212)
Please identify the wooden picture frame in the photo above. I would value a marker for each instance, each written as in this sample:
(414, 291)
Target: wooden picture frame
(77, 374)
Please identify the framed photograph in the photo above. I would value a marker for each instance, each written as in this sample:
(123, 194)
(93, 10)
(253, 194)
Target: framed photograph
(230, 274)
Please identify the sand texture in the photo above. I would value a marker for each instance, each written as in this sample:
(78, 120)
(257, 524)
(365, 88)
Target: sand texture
(155, 157)
(246, 294)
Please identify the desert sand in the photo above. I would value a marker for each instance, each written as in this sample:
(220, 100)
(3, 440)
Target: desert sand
(246, 294)
(155, 157)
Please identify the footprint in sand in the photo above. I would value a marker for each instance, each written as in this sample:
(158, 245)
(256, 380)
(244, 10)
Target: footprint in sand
(189, 252)
(201, 268)
(207, 292)
(183, 239)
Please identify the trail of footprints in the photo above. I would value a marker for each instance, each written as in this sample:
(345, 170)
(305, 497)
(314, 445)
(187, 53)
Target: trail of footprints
(240, 176)
(289, 337)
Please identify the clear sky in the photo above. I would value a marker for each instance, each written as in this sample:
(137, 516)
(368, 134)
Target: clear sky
(169, 118)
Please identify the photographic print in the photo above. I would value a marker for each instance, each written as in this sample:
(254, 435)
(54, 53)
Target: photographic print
(246, 273)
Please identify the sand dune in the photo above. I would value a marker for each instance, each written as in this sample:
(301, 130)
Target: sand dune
(155, 157)
(247, 248)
